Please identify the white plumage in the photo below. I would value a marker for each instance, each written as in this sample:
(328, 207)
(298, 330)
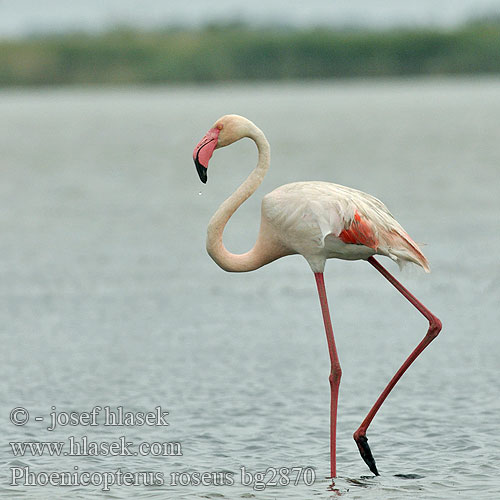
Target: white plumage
(310, 217)
(318, 220)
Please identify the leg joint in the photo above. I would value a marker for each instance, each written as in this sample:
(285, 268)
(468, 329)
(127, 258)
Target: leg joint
(435, 327)
(358, 434)
(335, 374)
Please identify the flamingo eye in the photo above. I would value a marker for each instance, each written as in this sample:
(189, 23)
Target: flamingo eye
(220, 126)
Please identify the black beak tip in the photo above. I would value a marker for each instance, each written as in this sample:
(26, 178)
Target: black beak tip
(202, 171)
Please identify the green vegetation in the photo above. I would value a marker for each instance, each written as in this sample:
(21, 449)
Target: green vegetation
(232, 53)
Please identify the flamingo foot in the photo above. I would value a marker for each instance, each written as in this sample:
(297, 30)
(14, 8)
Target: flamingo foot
(365, 452)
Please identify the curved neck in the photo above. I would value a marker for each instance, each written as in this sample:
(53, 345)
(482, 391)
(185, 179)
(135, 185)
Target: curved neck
(253, 259)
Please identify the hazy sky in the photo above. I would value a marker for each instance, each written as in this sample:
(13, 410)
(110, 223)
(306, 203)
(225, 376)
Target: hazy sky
(19, 17)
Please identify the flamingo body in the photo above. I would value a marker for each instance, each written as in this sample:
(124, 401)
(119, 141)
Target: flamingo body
(322, 220)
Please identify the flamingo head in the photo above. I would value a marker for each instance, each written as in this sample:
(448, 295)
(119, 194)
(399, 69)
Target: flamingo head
(226, 130)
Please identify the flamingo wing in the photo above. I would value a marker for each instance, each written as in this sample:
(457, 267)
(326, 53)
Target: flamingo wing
(306, 214)
(359, 232)
(374, 226)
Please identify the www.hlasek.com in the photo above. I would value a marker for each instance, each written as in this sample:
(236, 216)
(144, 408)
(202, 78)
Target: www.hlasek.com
(84, 447)
(258, 481)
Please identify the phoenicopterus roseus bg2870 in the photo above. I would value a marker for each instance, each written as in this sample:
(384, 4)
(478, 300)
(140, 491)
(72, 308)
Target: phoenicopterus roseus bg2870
(318, 220)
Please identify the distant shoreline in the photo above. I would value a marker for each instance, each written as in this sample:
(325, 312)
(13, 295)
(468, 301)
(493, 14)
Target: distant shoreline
(237, 53)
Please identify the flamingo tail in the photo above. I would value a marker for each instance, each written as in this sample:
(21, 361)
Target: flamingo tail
(402, 249)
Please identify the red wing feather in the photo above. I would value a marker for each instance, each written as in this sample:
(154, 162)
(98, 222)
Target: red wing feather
(359, 233)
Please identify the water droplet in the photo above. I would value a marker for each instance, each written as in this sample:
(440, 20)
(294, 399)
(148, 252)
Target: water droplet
(200, 193)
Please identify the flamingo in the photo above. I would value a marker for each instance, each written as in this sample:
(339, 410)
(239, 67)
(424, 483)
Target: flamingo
(318, 220)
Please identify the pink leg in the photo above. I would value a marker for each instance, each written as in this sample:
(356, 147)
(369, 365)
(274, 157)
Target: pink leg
(432, 332)
(335, 371)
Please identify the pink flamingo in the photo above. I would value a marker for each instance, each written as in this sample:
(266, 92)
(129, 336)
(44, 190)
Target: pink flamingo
(318, 220)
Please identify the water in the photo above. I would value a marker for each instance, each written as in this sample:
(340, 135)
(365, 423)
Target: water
(108, 297)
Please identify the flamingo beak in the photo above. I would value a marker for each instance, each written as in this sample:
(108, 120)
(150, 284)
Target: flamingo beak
(203, 152)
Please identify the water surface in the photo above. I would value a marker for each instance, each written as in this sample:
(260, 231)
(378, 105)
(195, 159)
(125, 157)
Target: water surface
(109, 298)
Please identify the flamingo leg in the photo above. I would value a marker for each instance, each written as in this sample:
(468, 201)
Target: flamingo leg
(335, 371)
(432, 332)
